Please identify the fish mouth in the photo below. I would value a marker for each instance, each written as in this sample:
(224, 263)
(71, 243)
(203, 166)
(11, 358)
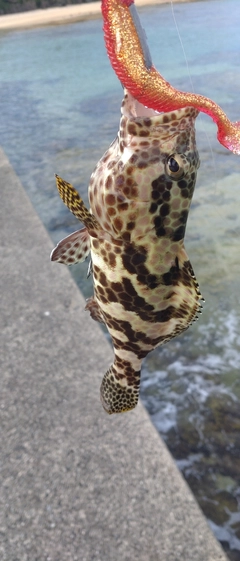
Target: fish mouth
(133, 109)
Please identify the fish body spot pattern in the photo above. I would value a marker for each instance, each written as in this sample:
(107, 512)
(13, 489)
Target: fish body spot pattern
(140, 192)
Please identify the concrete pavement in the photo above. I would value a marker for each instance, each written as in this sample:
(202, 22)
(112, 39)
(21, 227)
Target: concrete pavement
(75, 484)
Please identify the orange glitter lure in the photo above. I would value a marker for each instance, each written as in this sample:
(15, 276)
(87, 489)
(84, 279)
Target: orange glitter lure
(131, 60)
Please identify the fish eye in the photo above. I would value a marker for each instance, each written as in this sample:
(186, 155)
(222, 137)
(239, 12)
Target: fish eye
(175, 166)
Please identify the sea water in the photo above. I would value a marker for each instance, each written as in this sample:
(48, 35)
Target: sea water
(59, 107)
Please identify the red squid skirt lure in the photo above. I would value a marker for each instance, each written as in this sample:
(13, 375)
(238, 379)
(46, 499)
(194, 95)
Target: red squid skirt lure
(128, 52)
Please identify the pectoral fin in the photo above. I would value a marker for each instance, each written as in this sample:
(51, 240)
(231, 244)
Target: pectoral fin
(72, 249)
(74, 202)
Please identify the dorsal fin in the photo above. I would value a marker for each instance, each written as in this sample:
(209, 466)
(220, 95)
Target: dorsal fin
(74, 202)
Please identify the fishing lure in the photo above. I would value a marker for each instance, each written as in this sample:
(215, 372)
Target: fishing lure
(145, 290)
(131, 60)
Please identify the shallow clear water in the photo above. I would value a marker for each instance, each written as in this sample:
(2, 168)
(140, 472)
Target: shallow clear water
(59, 103)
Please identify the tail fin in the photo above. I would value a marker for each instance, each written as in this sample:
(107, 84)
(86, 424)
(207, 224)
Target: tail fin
(120, 389)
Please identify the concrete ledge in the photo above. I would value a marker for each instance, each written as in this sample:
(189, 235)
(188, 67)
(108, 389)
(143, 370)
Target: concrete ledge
(76, 485)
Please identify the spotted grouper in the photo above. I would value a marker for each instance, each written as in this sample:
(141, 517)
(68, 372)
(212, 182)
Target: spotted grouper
(145, 290)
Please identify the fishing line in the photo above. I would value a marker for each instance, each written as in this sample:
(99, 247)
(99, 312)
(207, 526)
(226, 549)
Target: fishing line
(192, 89)
(182, 46)
(215, 171)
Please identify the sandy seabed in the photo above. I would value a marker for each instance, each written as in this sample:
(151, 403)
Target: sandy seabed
(63, 15)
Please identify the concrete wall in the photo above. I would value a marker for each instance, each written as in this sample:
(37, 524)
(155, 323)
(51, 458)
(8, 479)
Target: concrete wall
(75, 484)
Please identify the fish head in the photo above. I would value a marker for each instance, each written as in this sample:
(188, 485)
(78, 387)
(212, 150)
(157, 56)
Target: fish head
(146, 133)
(153, 162)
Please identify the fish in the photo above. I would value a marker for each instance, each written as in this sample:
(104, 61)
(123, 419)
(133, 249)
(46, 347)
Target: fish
(145, 289)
